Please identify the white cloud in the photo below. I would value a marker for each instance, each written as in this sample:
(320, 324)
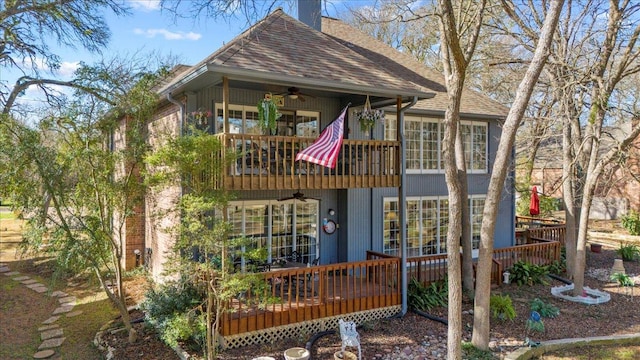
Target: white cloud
(147, 5)
(168, 35)
(68, 68)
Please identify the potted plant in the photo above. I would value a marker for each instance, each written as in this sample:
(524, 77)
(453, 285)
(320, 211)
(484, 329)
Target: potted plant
(268, 115)
(368, 117)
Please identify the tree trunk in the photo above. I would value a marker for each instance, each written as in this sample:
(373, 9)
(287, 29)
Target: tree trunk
(467, 248)
(481, 315)
(568, 197)
(454, 335)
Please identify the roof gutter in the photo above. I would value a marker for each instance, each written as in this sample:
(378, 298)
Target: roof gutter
(320, 84)
(402, 207)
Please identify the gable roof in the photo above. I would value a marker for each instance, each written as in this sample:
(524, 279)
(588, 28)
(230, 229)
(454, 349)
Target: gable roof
(473, 103)
(281, 49)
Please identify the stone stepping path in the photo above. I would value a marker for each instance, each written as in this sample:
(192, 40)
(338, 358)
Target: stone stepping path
(51, 334)
(44, 354)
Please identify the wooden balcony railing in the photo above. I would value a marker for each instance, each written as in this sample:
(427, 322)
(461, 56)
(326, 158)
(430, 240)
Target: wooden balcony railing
(268, 163)
(305, 294)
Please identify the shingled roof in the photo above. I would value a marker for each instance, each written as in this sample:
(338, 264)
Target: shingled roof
(341, 55)
(473, 103)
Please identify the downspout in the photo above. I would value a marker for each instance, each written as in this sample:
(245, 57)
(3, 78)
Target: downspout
(402, 207)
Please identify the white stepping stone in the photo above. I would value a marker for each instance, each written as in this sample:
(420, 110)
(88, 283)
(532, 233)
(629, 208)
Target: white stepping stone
(51, 343)
(4, 269)
(44, 354)
(59, 293)
(11, 273)
(21, 278)
(50, 334)
(34, 285)
(29, 282)
(63, 309)
(48, 327)
(74, 313)
(40, 289)
(51, 320)
(68, 299)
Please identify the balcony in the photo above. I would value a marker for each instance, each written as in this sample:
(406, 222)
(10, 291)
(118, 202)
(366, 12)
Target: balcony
(268, 163)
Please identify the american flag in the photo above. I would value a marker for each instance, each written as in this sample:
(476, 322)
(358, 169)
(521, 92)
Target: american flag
(324, 151)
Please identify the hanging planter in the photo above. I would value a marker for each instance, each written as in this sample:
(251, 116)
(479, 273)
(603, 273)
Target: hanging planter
(268, 115)
(368, 117)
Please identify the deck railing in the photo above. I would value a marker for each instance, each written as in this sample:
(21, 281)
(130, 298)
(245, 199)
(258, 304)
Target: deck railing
(303, 294)
(268, 163)
(310, 293)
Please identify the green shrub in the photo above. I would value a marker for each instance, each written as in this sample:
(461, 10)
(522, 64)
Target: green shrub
(629, 252)
(523, 273)
(631, 222)
(182, 327)
(544, 309)
(622, 279)
(535, 325)
(502, 307)
(172, 297)
(425, 298)
(174, 309)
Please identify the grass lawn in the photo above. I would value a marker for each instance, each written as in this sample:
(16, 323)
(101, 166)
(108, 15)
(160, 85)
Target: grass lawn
(22, 311)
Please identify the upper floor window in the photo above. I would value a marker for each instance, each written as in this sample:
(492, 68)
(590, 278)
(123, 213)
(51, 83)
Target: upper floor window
(423, 144)
(243, 119)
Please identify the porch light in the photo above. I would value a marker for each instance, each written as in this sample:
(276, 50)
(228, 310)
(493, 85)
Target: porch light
(293, 96)
(331, 212)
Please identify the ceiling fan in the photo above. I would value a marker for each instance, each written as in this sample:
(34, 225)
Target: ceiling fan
(295, 93)
(297, 196)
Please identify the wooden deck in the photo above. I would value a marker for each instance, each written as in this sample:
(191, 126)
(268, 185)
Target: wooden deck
(303, 296)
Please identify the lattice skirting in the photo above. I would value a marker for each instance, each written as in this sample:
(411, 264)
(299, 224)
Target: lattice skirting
(304, 329)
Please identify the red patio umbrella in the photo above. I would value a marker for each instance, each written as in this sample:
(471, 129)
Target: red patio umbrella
(534, 206)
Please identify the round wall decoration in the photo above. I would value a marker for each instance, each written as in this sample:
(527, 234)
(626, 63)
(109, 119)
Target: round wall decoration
(329, 227)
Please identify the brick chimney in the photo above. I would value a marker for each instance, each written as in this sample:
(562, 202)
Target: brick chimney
(309, 12)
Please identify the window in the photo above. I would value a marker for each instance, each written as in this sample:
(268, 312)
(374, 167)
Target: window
(279, 226)
(474, 137)
(427, 224)
(423, 144)
(476, 207)
(244, 120)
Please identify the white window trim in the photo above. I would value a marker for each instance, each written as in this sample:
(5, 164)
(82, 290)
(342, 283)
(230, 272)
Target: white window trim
(486, 145)
(440, 121)
(475, 252)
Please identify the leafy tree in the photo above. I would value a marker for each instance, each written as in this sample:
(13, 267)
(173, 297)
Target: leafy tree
(28, 29)
(203, 225)
(67, 183)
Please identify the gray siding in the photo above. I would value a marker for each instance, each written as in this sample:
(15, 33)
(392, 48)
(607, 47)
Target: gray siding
(359, 211)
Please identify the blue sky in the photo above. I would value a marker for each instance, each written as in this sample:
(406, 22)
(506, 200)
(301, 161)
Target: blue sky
(148, 30)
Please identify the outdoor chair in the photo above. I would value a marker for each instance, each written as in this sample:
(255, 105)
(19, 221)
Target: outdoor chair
(349, 336)
(294, 257)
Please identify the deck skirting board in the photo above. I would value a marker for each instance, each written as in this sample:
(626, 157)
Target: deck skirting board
(304, 329)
